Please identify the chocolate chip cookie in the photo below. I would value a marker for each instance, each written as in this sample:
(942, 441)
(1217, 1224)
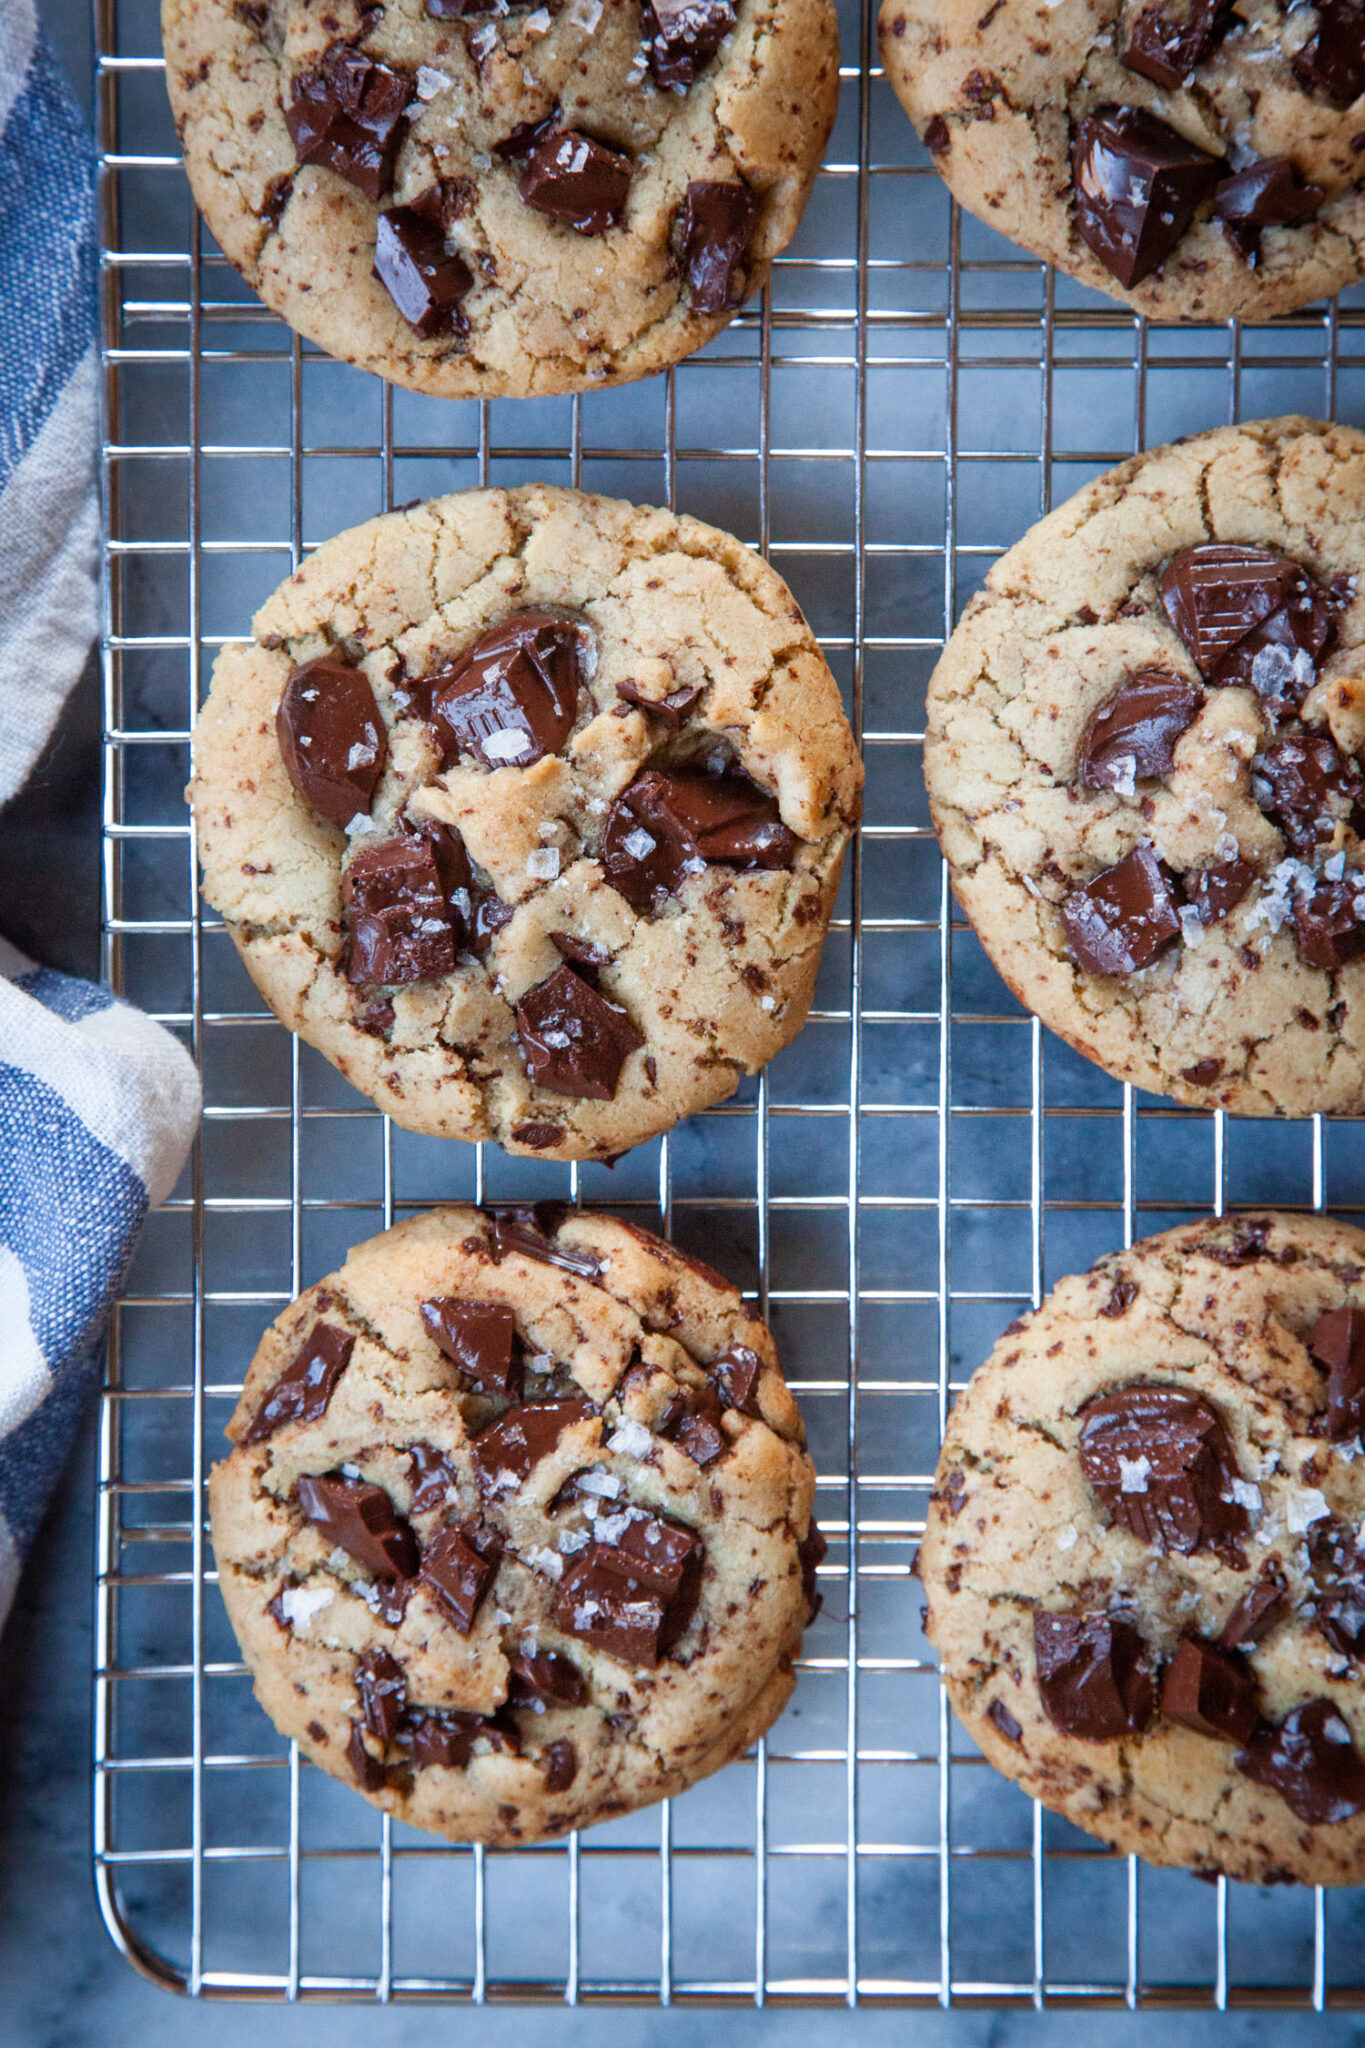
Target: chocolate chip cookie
(480, 199)
(527, 809)
(1143, 1556)
(516, 1534)
(1144, 758)
(1195, 158)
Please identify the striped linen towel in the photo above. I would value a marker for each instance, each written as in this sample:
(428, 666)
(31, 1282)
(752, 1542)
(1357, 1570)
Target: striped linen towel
(97, 1104)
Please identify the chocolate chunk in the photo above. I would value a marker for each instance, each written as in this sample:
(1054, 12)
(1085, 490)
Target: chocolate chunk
(1203, 1073)
(521, 143)
(446, 1738)
(1120, 921)
(362, 1521)
(1166, 47)
(491, 914)
(539, 1137)
(1004, 1720)
(574, 1041)
(460, 10)
(1121, 1298)
(306, 1385)
(811, 1553)
(350, 114)
(1310, 1760)
(1333, 62)
(666, 827)
(530, 1228)
(396, 915)
(683, 36)
(548, 1676)
(736, 1375)
(505, 1453)
(1093, 1676)
(714, 225)
(576, 180)
(1267, 194)
(1160, 1461)
(389, 1599)
(1213, 892)
(1134, 732)
(367, 1770)
(634, 1599)
(332, 738)
(1248, 615)
(1329, 924)
(1261, 1608)
(513, 695)
(381, 1687)
(481, 1338)
(1307, 786)
(1137, 185)
(1337, 1342)
(277, 195)
(426, 281)
(584, 953)
(1336, 1562)
(1211, 1689)
(455, 877)
(559, 1760)
(673, 709)
(434, 1479)
(692, 1422)
(459, 1564)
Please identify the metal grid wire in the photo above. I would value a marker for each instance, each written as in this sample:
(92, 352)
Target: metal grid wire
(909, 394)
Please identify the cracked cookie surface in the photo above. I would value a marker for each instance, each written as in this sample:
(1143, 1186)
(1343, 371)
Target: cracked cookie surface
(530, 1555)
(1159, 1635)
(1001, 95)
(685, 672)
(322, 144)
(1234, 1005)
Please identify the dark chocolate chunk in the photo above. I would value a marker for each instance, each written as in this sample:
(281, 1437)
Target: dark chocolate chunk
(446, 1738)
(389, 1599)
(490, 916)
(1119, 922)
(1160, 1461)
(1137, 185)
(426, 281)
(736, 1374)
(531, 1228)
(454, 875)
(433, 1479)
(1134, 732)
(1165, 47)
(573, 1040)
(666, 827)
(1211, 1689)
(1333, 62)
(520, 144)
(1307, 786)
(332, 738)
(350, 114)
(715, 222)
(810, 1555)
(1122, 1296)
(367, 1770)
(692, 1422)
(513, 695)
(673, 709)
(362, 1521)
(1311, 1761)
(306, 1385)
(381, 1687)
(1213, 892)
(1336, 1562)
(1337, 1342)
(559, 1760)
(275, 200)
(634, 1598)
(460, 10)
(1203, 1073)
(1267, 194)
(584, 953)
(539, 1137)
(548, 1676)
(1093, 1675)
(481, 1338)
(1248, 1243)
(574, 179)
(505, 1453)
(1329, 924)
(1248, 615)
(395, 912)
(683, 36)
(459, 1564)
(1004, 1720)
(1261, 1608)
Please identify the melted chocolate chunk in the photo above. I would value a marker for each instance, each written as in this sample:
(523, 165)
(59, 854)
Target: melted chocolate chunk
(505, 1453)
(1336, 1561)
(514, 148)
(574, 1041)
(576, 180)
(445, 1738)
(1093, 1676)
(667, 827)
(1212, 1690)
(1004, 1720)
(673, 709)
(389, 1599)
(1160, 1461)
(683, 36)
(1267, 194)
(810, 1555)
(381, 1687)
(425, 280)
(634, 1598)
(513, 695)
(491, 914)
(714, 225)
(362, 1521)
(367, 1770)
(1134, 732)
(1165, 47)
(530, 1228)
(1261, 1608)
(459, 1564)
(1213, 892)
(350, 114)
(1119, 922)
(306, 1385)
(1337, 1343)
(460, 10)
(692, 1422)
(559, 1761)
(1247, 615)
(278, 194)
(1329, 924)
(1333, 63)
(433, 1479)
(481, 1338)
(736, 1375)
(332, 738)
(548, 1676)
(1121, 1299)
(395, 912)
(1137, 185)
(1307, 786)
(1310, 1760)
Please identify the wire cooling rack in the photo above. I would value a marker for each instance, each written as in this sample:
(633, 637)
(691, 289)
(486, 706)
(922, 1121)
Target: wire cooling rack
(924, 1161)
